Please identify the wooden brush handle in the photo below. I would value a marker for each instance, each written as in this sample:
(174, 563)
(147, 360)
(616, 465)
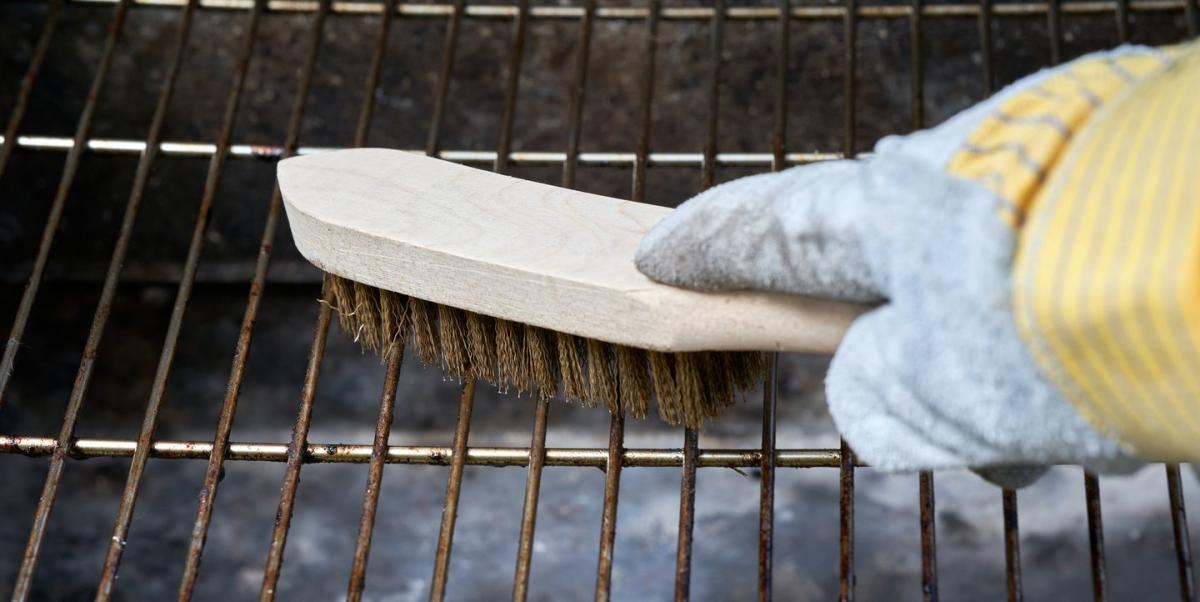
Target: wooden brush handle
(526, 252)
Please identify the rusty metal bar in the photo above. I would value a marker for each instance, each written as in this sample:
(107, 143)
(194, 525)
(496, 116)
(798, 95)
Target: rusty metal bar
(367, 109)
(344, 453)
(766, 491)
(458, 459)
(679, 13)
(511, 87)
(216, 461)
(578, 91)
(708, 172)
(1012, 546)
(449, 48)
(261, 152)
(1183, 542)
(296, 451)
(537, 451)
(985, 46)
(1091, 487)
(383, 428)
(533, 484)
(850, 122)
(846, 524)
(1122, 20)
(287, 499)
(49, 24)
(104, 305)
(687, 517)
(929, 582)
(608, 518)
(646, 104)
(66, 181)
(58, 459)
(916, 65)
(782, 47)
(1054, 30)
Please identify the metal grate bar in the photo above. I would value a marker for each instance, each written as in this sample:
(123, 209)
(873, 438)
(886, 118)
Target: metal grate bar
(687, 517)
(432, 144)
(608, 518)
(1122, 20)
(58, 458)
(846, 524)
(1054, 30)
(295, 458)
(387, 402)
(766, 499)
(1191, 13)
(383, 428)
(633, 13)
(846, 468)
(687, 485)
(985, 46)
(458, 459)
(49, 24)
(66, 180)
(1091, 486)
(1012, 546)
(916, 65)
(537, 452)
(1183, 543)
(533, 486)
(343, 453)
(473, 157)
(125, 510)
(511, 86)
(221, 439)
(296, 452)
(928, 518)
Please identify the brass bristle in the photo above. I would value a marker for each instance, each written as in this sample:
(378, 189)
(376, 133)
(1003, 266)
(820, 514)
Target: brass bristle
(481, 346)
(366, 315)
(633, 380)
(543, 361)
(393, 309)
(662, 375)
(452, 336)
(718, 387)
(343, 302)
(747, 369)
(420, 316)
(511, 358)
(602, 387)
(690, 386)
(571, 367)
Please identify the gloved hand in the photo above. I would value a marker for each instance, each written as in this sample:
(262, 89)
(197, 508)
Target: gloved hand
(930, 226)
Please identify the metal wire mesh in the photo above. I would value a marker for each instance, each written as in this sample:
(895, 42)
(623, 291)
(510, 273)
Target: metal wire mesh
(65, 447)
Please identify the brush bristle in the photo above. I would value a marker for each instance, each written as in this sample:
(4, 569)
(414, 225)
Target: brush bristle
(633, 381)
(689, 387)
(512, 358)
(571, 366)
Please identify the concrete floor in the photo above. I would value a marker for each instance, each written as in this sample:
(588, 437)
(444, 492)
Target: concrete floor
(970, 549)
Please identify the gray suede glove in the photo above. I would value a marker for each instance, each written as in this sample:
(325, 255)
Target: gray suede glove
(937, 376)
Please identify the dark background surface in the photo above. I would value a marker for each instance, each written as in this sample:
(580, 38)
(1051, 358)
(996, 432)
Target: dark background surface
(970, 552)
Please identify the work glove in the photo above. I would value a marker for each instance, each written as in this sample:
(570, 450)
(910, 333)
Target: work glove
(1002, 249)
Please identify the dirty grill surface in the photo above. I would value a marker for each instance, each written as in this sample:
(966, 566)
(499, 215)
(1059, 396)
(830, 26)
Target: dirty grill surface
(137, 205)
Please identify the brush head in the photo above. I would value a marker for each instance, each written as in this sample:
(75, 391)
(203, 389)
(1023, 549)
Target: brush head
(690, 387)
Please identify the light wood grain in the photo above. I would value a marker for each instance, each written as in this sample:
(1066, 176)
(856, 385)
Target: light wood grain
(523, 251)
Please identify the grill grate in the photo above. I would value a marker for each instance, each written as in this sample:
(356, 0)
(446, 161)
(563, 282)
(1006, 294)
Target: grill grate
(66, 446)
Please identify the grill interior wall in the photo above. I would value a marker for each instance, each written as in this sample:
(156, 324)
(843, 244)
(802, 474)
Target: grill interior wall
(1140, 550)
